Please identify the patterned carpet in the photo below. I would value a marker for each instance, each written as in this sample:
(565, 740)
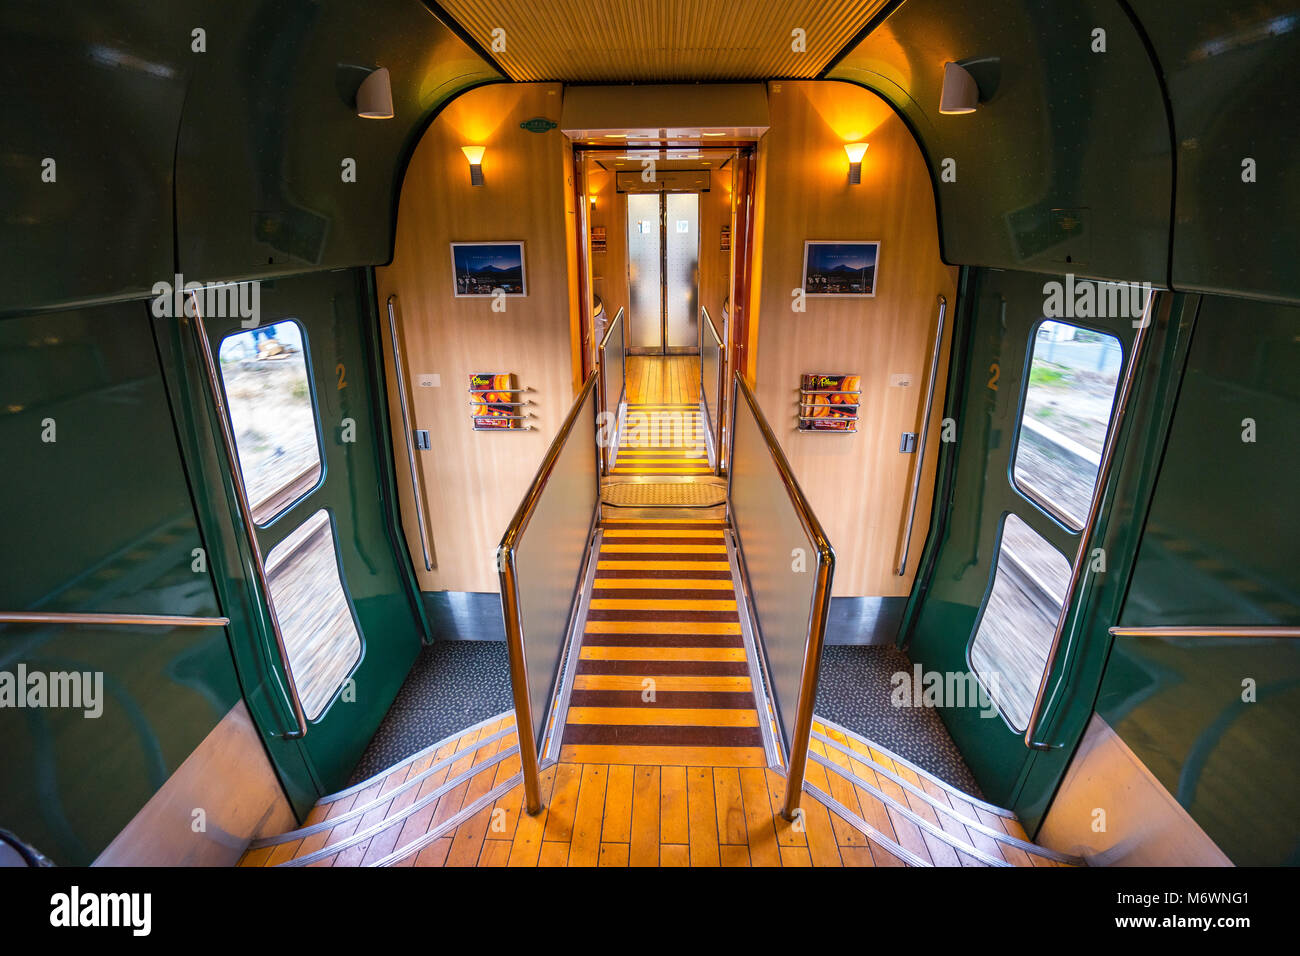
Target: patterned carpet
(854, 692)
(452, 685)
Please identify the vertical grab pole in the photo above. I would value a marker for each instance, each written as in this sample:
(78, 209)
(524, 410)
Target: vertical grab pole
(921, 441)
(417, 486)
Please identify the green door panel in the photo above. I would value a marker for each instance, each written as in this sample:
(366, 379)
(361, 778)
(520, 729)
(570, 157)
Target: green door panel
(1231, 763)
(998, 315)
(1230, 74)
(222, 162)
(100, 95)
(332, 311)
(1221, 546)
(1222, 542)
(270, 121)
(1066, 165)
(98, 520)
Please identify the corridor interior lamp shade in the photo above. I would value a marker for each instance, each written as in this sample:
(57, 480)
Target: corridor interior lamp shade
(855, 153)
(375, 96)
(475, 156)
(960, 93)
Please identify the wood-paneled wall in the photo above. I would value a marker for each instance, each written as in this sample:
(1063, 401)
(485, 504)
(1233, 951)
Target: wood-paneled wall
(608, 268)
(858, 484)
(475, 480)
(715, 262)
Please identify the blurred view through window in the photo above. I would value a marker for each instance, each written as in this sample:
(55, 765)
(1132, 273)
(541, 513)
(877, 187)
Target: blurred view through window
(1011, 643)
(1067, 410)
(315, 618)
(265, 374)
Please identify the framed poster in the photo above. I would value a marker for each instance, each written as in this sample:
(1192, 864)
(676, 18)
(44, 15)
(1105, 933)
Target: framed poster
(480, 267)
(840, 269)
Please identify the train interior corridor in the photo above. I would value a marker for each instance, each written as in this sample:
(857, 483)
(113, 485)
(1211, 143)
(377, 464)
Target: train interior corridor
(663, 733)
(841, 444)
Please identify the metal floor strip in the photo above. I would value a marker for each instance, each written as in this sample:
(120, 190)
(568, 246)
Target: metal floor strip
(384, 824)
(870, 832)
(331, 797)
(332, 822)
(982, 804)
(420, 842)
(948, 811)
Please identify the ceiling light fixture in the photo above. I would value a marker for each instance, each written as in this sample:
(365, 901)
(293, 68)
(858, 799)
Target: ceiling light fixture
(960, 93)
(375, 96)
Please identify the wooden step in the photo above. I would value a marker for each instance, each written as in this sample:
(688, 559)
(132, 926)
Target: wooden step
(927, 816)
(364, 823)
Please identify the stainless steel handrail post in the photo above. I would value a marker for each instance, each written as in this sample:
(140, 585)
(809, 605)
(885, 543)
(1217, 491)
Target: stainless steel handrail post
(606, 453)
(1193, 630)
(85, 617)
(1089, 526)
(715, 423)
(246, 516)
(922, 439)
(510, 599)
(801, 732)
(417, 483)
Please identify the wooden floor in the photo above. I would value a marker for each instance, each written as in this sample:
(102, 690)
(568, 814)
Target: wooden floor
(624, 815)
(662, 674)
(655, 379)
(460, 804)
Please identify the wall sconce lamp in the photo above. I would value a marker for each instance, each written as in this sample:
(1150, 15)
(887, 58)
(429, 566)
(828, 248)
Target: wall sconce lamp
(375, 96)
(855, 153)
(960, 92)
(475, 156)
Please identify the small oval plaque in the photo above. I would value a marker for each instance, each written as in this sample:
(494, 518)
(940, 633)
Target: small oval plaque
(538, 124)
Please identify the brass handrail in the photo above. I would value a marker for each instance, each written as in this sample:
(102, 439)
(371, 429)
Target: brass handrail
(922, 439)
(604, 339)
(801, 733)
(136, 620)
(510, 600)
(1081, 554)
(711, 327)
(1193, 630)
(417, 482)
(246, 516)
(610, 442)
(715, 424)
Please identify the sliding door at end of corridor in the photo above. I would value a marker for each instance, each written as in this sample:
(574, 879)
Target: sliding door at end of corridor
(663, 238)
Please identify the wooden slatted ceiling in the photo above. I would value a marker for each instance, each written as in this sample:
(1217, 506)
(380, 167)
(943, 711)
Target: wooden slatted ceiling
(618, 41)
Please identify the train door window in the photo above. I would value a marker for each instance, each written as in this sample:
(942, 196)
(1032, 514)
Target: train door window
(1073, 374)
(1009, 650)
(264, 371)
(315, 617)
